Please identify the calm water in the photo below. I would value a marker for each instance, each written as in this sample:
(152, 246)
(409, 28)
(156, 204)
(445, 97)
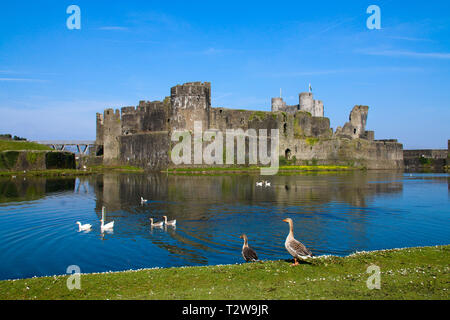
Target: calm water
(333, 214)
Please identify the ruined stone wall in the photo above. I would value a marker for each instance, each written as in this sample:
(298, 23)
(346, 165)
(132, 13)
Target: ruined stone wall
(155, 115)
(99, 129)
(111, 132)
(342, 151)
(141, 135)
(356, 127)
(148, 150)
(425, 153)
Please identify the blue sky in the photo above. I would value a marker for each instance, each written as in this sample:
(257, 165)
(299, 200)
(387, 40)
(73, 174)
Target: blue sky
(53, 80)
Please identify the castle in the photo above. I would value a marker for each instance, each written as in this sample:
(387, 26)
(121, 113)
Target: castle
(141, 136)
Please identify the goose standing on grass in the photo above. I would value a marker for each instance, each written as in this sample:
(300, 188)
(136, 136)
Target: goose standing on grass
(143, 200)
(83, 227)
(108, 226)
(295, 247)
(156, 224)
(248, 253)
(169, 223)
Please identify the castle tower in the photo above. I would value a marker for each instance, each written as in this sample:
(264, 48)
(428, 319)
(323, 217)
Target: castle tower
(111, 131)
(278, 104)
(306, 102)
(318, 108)
(190, 102)
(99, 131)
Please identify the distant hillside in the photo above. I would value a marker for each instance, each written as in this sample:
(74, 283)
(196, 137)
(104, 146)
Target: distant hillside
(21, 145)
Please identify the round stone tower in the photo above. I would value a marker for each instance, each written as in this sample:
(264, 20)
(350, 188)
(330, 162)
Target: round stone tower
(190, 102)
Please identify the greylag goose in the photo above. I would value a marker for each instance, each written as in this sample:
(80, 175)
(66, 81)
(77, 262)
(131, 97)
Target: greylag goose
(248, 253)
(169, 223)
(295, 247)
(156, 224)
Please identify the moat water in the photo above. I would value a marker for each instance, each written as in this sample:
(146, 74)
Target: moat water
(333, 214)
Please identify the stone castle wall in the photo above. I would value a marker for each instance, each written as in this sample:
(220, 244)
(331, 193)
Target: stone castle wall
(140, 135)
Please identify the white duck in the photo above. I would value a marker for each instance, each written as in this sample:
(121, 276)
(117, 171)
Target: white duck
(83, 227)
(156, 224)
(108, 226)
(143, 200)
(169, 223)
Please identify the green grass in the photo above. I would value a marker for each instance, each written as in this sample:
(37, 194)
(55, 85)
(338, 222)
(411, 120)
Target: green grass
(21, 145)
(412, 273)
(282, 168)
(72, 172)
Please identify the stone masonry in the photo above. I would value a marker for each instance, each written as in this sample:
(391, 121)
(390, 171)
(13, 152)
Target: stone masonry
(140, 135)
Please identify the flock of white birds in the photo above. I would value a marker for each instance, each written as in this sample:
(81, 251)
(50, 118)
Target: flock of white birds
(110, 225)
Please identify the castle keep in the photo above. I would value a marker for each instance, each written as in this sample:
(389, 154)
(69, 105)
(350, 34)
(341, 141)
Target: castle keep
(141, 136)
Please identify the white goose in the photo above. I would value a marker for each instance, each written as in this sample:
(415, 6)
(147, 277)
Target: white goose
(108, 226)
(267, 183)
(143, 200)
(156, 224)
(83, 227)
(169, 223)
(259, 184)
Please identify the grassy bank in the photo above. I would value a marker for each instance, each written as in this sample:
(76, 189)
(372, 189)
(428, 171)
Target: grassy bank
(70, 172)
(411, 273)
(21, 145)
(256, 169)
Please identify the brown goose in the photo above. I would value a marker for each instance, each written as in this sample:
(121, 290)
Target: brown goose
(248, 253)
(295, 247)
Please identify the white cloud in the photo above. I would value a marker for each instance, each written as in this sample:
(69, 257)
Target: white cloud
(22, 80)
(113, 28)
(404, 53)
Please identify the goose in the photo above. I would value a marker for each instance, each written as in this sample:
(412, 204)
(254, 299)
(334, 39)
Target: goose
(156, 224)
(169, 223)
(259, 184)
(143, 200)
(108, 226)
(267, 183)
(83, 227)
(248, 253)
(295, 247)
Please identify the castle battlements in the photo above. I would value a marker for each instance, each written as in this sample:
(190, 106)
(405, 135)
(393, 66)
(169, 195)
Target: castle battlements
(306, 103)
(145, 129)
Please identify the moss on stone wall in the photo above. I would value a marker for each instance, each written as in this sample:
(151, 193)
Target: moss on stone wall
(59, 160)
(259, 115)
(8, 159)
(311, 141)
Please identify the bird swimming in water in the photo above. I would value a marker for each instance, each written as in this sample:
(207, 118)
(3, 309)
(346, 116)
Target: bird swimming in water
(248, 253)
(169, 223)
